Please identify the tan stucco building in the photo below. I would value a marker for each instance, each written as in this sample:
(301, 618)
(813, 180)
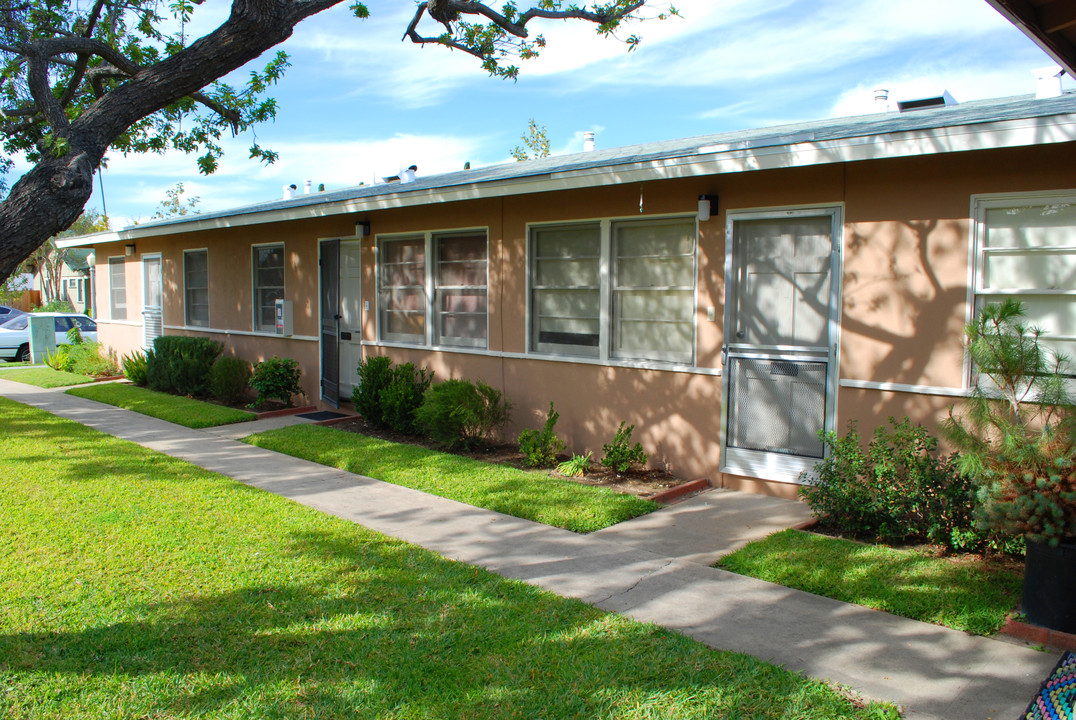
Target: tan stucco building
(730, 295)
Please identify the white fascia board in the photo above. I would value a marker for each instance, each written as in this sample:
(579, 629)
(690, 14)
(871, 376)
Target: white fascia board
(87, 240)
(707, 160)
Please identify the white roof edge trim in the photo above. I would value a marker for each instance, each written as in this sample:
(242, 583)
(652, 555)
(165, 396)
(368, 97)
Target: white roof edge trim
(708, 160)
(87, 240)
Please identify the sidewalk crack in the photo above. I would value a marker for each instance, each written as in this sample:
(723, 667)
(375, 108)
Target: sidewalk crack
(636, 584)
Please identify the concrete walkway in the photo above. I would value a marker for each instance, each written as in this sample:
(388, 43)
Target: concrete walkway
(643, 569)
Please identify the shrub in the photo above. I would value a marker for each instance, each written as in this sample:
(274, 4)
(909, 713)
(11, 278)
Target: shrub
(276, 379)
(375, 374)
(621, 455)
(181, 364)
(59, 359)
(229, 379)
(83, 358)
(576, 466)
(460, 413)
(57, 305)
(1017, 435)
(134, 366)
(541, 447)
(402, 396)
(899, 490)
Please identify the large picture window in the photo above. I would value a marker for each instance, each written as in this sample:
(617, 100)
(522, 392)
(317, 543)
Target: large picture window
(443, 301)
(1026, 250)
(614, 290)
(268, 265)
(117, 288)
(196, 287)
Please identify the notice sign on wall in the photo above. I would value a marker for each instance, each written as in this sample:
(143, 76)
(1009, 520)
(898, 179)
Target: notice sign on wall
(42, 337)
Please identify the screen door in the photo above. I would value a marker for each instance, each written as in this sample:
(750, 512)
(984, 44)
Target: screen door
(780, 349)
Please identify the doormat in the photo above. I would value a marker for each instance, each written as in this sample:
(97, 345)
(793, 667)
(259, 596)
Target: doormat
(322, 415)
(1057, 697)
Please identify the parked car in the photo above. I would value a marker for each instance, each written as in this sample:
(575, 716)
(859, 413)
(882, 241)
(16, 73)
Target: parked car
(9, 313)
(15, 333)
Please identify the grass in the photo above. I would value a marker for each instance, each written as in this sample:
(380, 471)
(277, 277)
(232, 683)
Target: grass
(43, 376)
(529, 495)
(964, 593)
(137, 585)
(179, 410)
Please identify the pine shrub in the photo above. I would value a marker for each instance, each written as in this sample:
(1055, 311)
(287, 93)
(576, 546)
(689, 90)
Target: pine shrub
(461, 413)
(621, 455)
(541, 447)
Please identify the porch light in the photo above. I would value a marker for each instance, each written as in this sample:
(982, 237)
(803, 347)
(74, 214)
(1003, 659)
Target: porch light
(707, 204)
(128, 250)
(362, 229)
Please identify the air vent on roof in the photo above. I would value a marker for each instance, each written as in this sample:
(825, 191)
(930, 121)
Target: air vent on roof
(926, 103)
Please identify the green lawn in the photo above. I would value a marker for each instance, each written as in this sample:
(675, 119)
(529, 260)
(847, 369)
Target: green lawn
(179, 410)
(43, 376)
(530, 495)
(964, 593)
(135, 585)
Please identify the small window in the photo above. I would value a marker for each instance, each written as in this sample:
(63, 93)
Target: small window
(402, 290)
(196, 287)
(62, 324)
(85, 324)
(460, 290)
(566, 289)
(117, 288)
(1027, 251)
(268, 264)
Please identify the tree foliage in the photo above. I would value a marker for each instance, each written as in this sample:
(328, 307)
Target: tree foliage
(80, 77)
(535, 143)
(48, 260)
(175, 204)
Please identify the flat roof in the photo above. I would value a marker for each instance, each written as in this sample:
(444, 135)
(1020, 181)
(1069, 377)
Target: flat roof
(984, 124)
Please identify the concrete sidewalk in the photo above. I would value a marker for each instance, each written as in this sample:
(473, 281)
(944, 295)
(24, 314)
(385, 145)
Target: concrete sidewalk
(636, 570)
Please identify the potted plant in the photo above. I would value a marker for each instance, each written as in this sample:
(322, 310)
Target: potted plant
(1017, 437)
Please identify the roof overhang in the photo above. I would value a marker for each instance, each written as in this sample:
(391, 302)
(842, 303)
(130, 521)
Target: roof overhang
(1051, 24)
(701, 161)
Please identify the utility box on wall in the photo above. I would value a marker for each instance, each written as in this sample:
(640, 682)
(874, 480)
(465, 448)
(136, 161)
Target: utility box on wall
(284, 317)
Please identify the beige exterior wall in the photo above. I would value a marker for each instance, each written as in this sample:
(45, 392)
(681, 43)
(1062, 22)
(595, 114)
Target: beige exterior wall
(904, 293)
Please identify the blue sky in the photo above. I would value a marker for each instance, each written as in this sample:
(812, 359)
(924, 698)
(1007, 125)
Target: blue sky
(358, 103)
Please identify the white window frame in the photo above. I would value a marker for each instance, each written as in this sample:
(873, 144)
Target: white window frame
(977, 293)
(431, 336)
(607, 263)
(112, 306)
(186, 288)
(254, 326)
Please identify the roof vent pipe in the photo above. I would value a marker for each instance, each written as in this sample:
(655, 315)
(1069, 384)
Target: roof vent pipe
(307, 186)
(1048, 81)
(881, 100)
(289, 192)
(408, 175)
(588, 141)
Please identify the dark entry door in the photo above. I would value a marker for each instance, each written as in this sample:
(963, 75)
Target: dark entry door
(330, 322)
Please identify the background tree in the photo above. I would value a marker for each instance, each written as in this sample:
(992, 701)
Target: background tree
(48, 260)
(175, 205)
(535, 143)
(81, 77)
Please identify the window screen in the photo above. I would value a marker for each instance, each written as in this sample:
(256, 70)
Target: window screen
(117, 288)
(460, 290)
(402, 290)
(196, 287)
(268, 263)
(566, 289)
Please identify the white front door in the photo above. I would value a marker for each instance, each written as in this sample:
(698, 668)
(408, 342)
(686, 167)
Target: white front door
(351, 310)
(152, 300)
(779, 385)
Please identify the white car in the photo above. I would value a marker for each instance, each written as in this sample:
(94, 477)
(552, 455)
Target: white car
(15, 333)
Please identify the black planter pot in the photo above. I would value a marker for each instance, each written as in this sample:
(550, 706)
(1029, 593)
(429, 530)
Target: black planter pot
(1050, 585)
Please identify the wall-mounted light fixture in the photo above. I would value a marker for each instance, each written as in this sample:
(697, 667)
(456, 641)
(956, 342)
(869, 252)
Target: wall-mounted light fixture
(707, 205)
(362, 229)
(128, 250)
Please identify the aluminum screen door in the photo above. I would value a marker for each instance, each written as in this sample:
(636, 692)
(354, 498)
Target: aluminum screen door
(780, 349)
(330, 322)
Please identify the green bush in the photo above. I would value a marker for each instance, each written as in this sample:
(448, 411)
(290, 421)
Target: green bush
(59, 359)
(621, 455)
(1017, 433)
(899, 490)
(134, 367)
(82, 358)
(57, 305)
(181, 364)
(402, 397)
(276, 379)
(375, 374)
(461, 413)
(229, 379)
(541, 447)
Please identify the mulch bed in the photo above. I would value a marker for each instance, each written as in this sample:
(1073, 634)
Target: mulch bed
(642, 483)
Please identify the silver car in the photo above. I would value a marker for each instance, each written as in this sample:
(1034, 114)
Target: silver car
(15, 333)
